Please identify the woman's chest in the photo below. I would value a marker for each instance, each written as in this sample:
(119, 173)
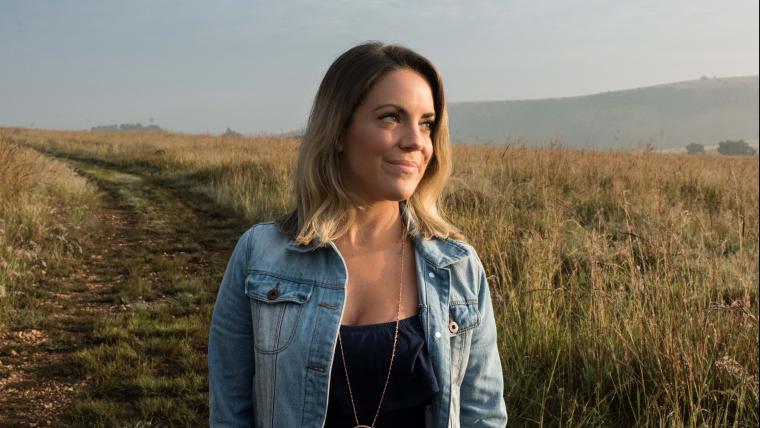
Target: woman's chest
(376, 284)
(297, 311)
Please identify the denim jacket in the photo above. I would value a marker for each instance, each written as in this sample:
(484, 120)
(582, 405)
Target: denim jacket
(275, 326)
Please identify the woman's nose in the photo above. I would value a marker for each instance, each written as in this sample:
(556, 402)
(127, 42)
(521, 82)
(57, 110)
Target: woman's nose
(414, 138)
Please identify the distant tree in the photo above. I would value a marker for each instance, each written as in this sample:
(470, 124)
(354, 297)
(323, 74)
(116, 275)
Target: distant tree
(230, 133)
(126, 127)
(694, 148)
(105, 128)
(736, 148)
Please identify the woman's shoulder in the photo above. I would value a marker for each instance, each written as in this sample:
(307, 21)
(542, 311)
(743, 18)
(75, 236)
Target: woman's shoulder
(448, 250)
(265, 234)
(468, 248)
(459, 257)
(465, 272)
(265, 230)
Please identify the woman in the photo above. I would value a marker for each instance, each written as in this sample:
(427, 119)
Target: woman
(362, 306)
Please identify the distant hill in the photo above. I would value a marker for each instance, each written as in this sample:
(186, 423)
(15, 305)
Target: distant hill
(668, 116)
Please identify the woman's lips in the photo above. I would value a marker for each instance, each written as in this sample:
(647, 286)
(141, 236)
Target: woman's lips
(404, 166)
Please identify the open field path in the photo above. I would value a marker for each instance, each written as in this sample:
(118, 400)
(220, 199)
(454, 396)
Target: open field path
(120, 339)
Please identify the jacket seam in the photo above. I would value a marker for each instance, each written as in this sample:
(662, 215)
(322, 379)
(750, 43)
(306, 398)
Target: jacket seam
(274, 390)
(292, 336)
(301, 281)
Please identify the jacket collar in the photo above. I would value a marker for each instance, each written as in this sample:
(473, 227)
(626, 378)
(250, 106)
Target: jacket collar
(437, 251)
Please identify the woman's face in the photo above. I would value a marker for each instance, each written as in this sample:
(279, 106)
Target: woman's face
(388, 145)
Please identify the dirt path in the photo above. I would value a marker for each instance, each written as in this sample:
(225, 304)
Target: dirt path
(155, 236)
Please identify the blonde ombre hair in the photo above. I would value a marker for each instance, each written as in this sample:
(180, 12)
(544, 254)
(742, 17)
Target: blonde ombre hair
(324, 210)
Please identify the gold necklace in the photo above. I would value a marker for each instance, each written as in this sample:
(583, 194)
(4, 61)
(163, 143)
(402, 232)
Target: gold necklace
(393, 351)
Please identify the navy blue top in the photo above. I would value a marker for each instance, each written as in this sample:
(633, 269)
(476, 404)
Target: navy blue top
(368, 351)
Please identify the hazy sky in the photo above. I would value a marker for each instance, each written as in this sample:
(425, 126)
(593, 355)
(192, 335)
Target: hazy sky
(255, 66)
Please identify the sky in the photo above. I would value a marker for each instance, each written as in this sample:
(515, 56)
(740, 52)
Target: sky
(255, 66)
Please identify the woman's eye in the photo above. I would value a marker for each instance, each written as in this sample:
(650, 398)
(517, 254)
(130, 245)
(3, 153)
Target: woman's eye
(390, 117)
(428, 125)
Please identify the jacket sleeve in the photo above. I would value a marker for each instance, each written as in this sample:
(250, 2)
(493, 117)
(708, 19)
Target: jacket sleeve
(482, 389)
(230, 359)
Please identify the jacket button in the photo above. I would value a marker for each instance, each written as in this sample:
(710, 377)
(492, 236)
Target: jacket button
(273, 294)
(453, 327)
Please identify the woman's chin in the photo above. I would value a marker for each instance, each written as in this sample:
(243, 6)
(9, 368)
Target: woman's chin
(403, 190)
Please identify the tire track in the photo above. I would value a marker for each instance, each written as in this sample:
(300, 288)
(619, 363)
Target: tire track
(155, 236)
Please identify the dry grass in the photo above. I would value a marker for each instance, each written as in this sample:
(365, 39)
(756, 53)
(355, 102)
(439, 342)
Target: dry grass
(43, 215)
(625, 284)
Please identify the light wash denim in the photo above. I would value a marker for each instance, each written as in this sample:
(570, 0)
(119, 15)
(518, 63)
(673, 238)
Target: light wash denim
(275, 328)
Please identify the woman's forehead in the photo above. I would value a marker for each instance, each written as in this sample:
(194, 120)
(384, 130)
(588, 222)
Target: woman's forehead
(405, 88)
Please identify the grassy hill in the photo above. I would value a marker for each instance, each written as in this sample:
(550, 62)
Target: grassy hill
(665, 116)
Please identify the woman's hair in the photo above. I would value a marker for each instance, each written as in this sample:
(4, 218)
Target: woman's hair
(324, 209)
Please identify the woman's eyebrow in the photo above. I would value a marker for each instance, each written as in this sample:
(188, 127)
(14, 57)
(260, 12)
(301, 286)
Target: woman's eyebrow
(402, 110)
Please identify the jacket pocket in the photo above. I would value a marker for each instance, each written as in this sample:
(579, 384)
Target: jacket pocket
(463, 319)
(276, 308)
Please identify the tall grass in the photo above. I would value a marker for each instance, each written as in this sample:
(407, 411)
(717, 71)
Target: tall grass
(45, 211)
(625, 284)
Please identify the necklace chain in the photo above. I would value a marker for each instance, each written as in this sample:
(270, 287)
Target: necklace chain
(393, 351)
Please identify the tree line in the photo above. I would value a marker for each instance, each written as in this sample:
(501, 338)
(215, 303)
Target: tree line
(728, 147)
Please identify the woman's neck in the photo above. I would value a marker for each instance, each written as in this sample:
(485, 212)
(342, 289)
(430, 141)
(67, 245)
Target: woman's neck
(376, 225)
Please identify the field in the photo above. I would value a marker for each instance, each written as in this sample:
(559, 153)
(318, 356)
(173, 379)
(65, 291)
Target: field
(625, 285)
